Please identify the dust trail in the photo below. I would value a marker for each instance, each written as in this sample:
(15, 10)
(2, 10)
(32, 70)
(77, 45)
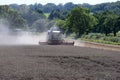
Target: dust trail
(79, 43)
(18, 36)
(24, 38)
(29, 38)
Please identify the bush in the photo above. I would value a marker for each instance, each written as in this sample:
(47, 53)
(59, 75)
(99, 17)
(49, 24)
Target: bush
(97, 37)
(118, 34)
(93, 36)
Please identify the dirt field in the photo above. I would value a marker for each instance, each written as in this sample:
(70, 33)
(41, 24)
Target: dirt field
(32, 62)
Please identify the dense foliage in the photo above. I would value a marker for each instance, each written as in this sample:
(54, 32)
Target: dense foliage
(24, 17)
(72, 18)
(49, 7)
(80, 21)
(57, 14)
(108, 23)
(13, 17)
(114, 6)
(101, 38)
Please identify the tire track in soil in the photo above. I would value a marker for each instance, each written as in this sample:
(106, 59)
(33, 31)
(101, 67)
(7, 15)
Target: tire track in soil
(58, 63)
(72, 64)
(97, 45)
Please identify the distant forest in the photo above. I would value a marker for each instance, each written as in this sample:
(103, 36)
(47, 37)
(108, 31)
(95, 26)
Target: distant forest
(49, 7)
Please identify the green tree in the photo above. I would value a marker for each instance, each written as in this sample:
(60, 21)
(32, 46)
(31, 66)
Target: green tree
(49, 7)
(40, 25)
(61, 24)
(13, 17)
(117, 26)
(110, 22)
(80, 21)
(107, 22)
(57, 14)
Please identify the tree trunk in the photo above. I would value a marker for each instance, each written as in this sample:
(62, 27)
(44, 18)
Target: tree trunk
(106, 34)
(114, 32)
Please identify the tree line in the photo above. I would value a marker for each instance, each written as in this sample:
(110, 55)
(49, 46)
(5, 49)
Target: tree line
(49, 7)
(81, 21)
(24, 18)
(72, 18)
(12, 17)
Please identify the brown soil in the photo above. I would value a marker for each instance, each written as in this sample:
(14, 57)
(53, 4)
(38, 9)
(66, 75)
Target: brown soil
(58, 63)
(98, 45)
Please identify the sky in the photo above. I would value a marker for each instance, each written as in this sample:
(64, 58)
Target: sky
(92, 2)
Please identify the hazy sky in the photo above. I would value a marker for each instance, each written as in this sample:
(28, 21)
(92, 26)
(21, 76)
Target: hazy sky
(2, 2)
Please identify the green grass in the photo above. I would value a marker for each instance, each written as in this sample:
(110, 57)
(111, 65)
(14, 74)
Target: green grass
(101, 41)
(47, 14)
(100, 38)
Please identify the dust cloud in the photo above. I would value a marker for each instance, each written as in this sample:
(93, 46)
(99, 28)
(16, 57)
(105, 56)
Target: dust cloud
(19, 36)
(29, 38)
(79, 43)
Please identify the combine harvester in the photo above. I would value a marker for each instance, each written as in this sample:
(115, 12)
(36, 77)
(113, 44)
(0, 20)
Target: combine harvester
(55, 37)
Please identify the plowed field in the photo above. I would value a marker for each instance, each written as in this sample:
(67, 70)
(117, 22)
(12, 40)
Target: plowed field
(32, 62)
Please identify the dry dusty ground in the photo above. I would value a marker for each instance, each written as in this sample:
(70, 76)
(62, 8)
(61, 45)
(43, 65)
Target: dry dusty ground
(32, 62)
